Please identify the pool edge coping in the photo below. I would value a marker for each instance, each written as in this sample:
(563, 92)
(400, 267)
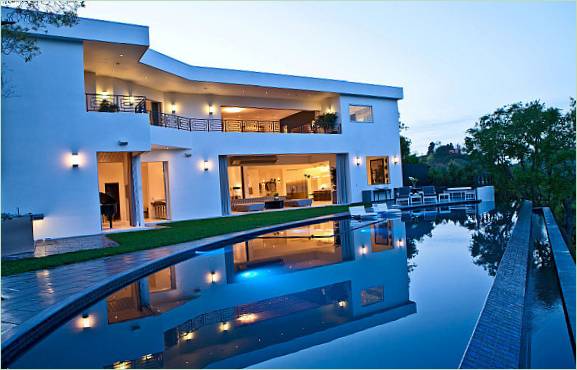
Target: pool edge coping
(17, 340)
(567, 275)
(495, 332)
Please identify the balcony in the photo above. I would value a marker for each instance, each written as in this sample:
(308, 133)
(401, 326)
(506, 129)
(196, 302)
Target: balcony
(138, 104)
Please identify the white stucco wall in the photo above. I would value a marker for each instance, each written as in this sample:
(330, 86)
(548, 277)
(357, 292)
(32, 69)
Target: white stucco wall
(45, 120)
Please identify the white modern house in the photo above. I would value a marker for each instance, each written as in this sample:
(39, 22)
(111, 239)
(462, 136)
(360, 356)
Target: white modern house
(100, 118)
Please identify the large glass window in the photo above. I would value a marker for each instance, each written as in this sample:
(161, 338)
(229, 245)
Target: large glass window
(361, 113)
(378, 170)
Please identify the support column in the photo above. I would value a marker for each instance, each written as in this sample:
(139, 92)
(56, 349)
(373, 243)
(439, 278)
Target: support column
(137, 208)
(224, 191)
(343, 182)
(143, 293)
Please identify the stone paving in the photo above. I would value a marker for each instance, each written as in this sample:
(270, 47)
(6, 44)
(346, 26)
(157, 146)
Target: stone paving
(497, 339)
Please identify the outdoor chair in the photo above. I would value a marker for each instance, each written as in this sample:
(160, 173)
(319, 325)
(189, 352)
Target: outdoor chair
(403, 196)
(416, 198)
(383, 208)
(360, 212)
(429, 194)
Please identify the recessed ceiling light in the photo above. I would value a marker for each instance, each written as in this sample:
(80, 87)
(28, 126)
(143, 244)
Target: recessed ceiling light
(121, 55)
(232, 109)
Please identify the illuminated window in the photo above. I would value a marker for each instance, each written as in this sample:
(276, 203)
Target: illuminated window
(162, 280)
(361, 113)
(378, 170)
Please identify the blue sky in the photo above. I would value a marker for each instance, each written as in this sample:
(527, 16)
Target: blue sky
(455, 60)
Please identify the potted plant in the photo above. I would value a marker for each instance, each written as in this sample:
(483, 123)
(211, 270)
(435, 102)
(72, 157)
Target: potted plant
(413, 181)
(106, 106)
(326, 121)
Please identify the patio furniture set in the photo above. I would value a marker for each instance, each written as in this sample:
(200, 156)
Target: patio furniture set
(412, 196)
(262, 203)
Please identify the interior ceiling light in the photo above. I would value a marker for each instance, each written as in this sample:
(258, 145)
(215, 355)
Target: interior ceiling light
(232, 109)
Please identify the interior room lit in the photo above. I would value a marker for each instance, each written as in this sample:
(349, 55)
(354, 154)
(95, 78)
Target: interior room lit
(299, 180)
(154, 191)
(114, 189)
(266, 119)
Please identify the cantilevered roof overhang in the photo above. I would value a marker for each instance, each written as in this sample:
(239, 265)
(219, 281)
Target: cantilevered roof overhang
(94, 30)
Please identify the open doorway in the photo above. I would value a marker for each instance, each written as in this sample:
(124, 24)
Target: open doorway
(155, 191)
(115, 189)
(277, 181)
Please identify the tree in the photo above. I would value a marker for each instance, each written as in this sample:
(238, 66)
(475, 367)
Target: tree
(529, 150)
(33, 16)
(431, 148)
(406, 155)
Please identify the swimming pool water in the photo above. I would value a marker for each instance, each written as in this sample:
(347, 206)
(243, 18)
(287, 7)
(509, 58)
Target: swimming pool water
(400, 293)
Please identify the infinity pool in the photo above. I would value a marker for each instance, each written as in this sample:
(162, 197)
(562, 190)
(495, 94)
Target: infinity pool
(401, 293)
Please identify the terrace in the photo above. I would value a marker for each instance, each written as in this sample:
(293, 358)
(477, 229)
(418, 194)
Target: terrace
(252, 120)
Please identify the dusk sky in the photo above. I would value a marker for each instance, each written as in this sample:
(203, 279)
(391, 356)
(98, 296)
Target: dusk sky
(455, 61)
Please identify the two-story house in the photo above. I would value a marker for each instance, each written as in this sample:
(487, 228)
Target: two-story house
(99, 131)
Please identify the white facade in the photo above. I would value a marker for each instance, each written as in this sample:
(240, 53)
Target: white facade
(45, 120)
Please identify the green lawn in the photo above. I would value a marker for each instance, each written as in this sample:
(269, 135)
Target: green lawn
(175, 232)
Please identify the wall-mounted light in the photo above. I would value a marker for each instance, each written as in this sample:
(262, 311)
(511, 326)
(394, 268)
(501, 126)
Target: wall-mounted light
(396, 159)
(86, 321)
(210, 109)
(330, 109)
(400, 243)
(364, 250)
(188, 155)
(342, 304)
(122, 142)
(213, 277)
(205, 165)
(358, 160)
(173, 108)
(75, 159)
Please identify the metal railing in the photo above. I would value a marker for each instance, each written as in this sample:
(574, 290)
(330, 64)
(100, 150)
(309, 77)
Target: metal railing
(213, 124)
(137, 104)
(115, 103)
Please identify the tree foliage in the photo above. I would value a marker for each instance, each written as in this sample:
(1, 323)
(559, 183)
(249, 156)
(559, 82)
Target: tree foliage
(529, 150)
(23, 17)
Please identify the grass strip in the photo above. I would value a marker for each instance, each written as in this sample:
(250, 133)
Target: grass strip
(173, 233)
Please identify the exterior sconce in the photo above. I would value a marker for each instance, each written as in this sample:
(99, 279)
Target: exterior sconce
(173, 108)
(396, 159)
(363, 250)
(86, 322)
(210, 109)
(358, 161)
(122, 142)
(75, 160)
(188, 155)
(213, 277)
(205, 166)
(400, 243)
(342, 304)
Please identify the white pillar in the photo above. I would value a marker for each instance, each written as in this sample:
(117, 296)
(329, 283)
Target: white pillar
(137, 207)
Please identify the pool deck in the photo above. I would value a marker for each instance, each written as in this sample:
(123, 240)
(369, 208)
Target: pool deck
(497, 340)
(33, 303)
(565, 268)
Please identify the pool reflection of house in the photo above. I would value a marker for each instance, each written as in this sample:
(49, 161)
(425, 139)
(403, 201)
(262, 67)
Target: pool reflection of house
(245, 303)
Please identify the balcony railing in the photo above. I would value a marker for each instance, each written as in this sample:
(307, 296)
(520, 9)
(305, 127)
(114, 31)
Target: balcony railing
(115, 103)
(230, 125)
(137, 104)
